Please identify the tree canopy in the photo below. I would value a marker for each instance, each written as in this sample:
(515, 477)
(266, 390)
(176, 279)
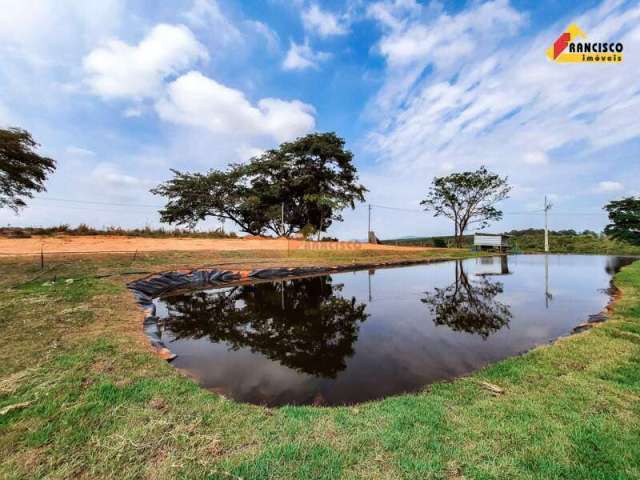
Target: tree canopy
(22, 170)
(310, 180)
(467, 198)
(625, 220)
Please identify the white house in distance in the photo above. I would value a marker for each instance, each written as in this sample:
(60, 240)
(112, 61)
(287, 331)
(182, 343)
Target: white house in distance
(496, 241)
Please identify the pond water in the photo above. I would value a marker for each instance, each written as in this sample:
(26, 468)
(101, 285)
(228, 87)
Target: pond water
(351, 337)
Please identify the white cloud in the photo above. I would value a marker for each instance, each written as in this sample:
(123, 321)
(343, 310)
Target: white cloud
(108, 174)
(394, 14)
(133, 112)
(207, 15)
(245, 152)
(504, 105)
(229, 39)
(5, 116)
(47, 32)
(609, 186)
(79, 151)
(41, 46)
(536, 158)
(262, 29)
(322, 23)
(121, 70)
(302, 56)
(420, 37)
(196, 100)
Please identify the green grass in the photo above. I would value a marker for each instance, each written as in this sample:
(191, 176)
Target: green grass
(100, 405)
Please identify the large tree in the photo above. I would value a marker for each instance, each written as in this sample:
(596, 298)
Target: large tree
(310, 180)
(625, 219)
(22, 170)
(467, 198)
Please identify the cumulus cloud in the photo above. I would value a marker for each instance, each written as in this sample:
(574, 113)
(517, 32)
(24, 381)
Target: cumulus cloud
(196, 100)
(118, 69)
(322, 23)
(302, 56)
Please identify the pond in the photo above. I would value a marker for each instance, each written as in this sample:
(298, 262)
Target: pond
(351, 337)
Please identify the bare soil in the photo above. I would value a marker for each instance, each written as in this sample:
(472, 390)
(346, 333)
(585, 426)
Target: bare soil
(106, 243)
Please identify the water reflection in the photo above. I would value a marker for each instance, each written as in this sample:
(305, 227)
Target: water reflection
(614, 264)
(470, 306)
(357, 336)
(309, 327)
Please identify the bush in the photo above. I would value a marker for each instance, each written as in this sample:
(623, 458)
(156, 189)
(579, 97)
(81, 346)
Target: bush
(439, 242)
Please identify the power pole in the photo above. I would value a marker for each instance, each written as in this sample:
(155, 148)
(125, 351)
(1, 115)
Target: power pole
(369, 227)
(282, 217)
(547, 207)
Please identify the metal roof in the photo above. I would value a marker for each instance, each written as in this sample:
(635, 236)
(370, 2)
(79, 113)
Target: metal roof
(492, 234)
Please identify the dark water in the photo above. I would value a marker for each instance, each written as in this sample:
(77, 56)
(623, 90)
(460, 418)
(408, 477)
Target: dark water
(358, 336)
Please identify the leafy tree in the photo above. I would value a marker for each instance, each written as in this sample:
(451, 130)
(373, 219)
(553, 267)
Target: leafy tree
(467, 198)
(22, 170)
(311, 180)
(625, 219)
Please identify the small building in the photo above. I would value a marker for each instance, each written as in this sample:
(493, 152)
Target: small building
(495, 241)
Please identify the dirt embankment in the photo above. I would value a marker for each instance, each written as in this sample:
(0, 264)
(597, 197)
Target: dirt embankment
(105, 243)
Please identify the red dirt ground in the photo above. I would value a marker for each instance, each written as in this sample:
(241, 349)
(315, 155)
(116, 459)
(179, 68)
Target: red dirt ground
(108, 243)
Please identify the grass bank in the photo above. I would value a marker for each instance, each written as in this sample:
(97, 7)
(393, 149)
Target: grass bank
(81, 395)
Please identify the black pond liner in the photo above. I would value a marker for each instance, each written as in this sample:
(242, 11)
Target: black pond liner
(146, 289)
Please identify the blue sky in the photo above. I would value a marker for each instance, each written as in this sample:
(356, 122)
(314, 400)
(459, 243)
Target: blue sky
(121, 91)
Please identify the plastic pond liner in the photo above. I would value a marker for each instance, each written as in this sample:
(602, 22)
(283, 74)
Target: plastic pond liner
(347, 334)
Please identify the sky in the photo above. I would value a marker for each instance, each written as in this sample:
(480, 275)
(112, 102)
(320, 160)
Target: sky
(121, 92)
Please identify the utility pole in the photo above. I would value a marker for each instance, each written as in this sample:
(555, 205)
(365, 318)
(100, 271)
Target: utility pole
(547, 207)
(369, 227)
(282, 217)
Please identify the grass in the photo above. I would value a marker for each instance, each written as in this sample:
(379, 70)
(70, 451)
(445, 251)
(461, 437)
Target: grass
(91, 401)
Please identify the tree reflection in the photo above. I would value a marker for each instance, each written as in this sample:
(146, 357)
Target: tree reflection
(304, 324)
(615, 264)
(469, 306)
